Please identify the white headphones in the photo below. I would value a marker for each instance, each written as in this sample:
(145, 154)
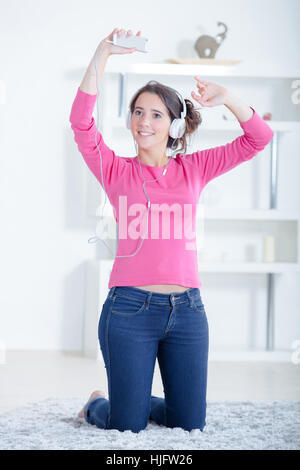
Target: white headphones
(177, 127)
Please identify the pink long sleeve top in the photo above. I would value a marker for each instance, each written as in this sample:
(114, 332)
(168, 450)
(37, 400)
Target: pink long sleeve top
(168, 254)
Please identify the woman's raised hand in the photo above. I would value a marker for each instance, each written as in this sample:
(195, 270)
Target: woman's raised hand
(210, 94)
(112, 49)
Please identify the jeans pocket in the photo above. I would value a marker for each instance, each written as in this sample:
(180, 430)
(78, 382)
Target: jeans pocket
(127, 306)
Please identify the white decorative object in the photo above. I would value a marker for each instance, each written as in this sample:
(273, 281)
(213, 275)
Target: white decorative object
(268, 249)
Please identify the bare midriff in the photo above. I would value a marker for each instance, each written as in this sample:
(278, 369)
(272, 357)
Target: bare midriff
(163, 288)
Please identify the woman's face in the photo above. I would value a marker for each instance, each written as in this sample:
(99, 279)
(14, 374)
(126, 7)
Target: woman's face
(150, 115)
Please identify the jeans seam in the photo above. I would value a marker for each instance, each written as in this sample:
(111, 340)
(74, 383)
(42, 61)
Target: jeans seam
(130, 314)
(130, 297)
(166, 303)
(174, 321)
(108, 357)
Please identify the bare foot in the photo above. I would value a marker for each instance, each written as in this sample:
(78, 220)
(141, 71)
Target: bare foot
(95, 394)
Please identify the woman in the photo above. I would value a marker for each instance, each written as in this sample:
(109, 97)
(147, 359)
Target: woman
(154, 307)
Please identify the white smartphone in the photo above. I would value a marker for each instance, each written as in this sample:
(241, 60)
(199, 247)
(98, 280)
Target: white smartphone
(130, 41)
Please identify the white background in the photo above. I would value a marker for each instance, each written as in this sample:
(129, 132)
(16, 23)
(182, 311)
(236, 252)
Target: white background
(44, 226)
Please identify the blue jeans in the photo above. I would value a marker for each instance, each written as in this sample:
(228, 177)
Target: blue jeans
(135, 327)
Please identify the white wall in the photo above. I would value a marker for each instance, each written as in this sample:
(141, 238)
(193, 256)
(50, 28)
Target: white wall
(44, 227)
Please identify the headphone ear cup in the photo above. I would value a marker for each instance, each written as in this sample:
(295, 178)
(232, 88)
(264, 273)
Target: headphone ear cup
(177, 128)
(128, 119)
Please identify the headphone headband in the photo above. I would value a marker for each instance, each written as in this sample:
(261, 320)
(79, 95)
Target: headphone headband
(183, 112)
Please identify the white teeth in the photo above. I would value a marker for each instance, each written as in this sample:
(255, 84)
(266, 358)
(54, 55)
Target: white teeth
(145, 133)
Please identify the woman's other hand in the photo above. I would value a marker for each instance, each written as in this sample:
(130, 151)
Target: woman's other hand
(210, 94)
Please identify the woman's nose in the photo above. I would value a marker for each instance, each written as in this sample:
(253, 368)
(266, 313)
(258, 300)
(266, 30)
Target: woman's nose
(145, 120)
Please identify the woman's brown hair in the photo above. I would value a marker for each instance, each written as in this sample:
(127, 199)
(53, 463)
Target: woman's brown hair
(174, 106)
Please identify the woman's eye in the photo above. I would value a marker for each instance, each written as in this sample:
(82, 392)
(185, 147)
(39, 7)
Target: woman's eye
(156, 114)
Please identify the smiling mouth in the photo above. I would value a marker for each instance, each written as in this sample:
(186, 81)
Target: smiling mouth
(146, 135)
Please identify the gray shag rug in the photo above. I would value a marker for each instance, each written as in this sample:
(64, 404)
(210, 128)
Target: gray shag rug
(53, 424)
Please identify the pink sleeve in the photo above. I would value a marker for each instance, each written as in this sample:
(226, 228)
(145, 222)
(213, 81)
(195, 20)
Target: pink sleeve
(84, 128)
(215, 161)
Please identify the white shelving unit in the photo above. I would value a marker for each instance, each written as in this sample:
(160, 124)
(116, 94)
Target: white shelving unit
(242, 267)
(150, 70)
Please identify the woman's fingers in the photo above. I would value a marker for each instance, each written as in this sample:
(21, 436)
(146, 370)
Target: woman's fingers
(119, 32)
(202, 86)
(201, 90)
(129, 32)
(196, 97)
(201, 81)
(202, 99)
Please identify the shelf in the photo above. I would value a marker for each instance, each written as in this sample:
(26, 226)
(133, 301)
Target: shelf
(237, 356)
(283, 126)
(247, 214)
(249, 356)
(204, 61)
(227, 214)
(242, 267)
(236, 267)
(150, 68)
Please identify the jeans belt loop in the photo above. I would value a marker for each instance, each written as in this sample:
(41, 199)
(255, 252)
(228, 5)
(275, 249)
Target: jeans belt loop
(112, 291)
(191, 301)
(147, 301)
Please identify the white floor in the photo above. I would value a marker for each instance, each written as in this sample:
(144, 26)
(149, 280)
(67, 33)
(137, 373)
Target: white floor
(28, 376)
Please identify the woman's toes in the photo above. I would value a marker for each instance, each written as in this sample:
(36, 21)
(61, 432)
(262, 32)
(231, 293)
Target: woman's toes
(93, 395)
